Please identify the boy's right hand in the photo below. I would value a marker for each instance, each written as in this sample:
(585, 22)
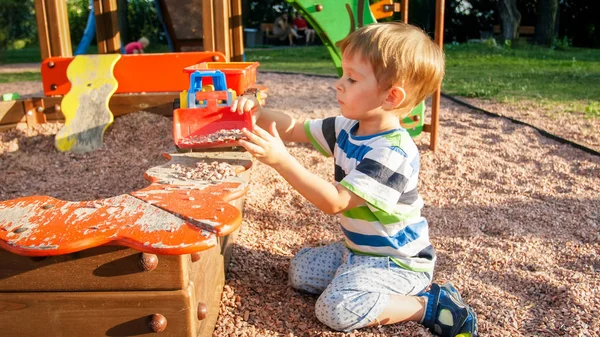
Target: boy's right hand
(244, 104)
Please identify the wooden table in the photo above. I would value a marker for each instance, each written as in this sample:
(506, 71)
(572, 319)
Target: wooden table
(150, 261)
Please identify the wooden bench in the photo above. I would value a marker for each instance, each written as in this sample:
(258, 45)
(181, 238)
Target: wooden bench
(523, 30)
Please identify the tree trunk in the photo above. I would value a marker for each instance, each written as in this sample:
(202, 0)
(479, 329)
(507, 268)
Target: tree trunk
(123, 21)
(511, 19)
(544, 28)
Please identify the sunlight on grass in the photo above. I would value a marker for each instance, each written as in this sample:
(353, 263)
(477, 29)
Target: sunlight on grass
(528, 72)
(312, 60)
(20, 77)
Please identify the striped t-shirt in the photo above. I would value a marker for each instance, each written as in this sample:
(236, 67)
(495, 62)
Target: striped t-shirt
(382, 169)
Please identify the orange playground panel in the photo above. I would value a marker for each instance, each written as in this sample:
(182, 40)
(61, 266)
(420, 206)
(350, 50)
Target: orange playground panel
(135, 73)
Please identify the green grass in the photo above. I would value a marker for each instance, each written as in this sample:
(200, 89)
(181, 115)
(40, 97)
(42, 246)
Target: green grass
(312, 60)
(20, 77)
(566, 77)
(532, 73)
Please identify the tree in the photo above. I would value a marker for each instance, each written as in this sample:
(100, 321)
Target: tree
(511, 19)
(545, 28)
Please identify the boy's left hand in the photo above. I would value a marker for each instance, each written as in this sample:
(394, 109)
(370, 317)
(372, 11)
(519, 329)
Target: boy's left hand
(267, 147)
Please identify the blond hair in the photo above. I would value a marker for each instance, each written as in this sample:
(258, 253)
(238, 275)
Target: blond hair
(144, 41)
(400, 54)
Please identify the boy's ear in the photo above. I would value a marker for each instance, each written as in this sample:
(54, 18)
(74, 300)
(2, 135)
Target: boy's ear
(396, 96)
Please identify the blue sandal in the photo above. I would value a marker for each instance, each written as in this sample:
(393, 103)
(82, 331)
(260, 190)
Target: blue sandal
(469, 328)
(446, 314)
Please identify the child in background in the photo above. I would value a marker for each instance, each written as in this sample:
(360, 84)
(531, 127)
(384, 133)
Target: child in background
(381, 273)
(137, 47)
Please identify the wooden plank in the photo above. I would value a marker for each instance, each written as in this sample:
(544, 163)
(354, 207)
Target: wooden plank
(113, 43)
(107, 268)
(58, 26)
(435, 101)
(100, 28)
(208, 275)
(41, 18)
(6, 127)
(208, 24)
(107, 27)
(221, 28)
(157, 103)
(74, 314)
(12, 112)
(237, 31)
(34, 108)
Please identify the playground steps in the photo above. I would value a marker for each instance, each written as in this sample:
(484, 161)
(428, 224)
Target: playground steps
(69, 267)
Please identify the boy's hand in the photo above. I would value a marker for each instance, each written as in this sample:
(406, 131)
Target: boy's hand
(246, 104)
(267, 147)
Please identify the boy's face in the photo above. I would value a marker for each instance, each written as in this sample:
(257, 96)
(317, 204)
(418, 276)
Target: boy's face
(357, 90)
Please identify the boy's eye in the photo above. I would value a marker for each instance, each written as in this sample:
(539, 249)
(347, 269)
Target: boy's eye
(351, 80)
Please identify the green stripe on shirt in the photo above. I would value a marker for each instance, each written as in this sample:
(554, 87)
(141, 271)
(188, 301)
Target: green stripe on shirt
(313, 140)
(366, 214)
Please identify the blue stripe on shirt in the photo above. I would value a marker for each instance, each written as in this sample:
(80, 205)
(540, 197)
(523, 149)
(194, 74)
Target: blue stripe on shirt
(408, 234)
(352, 151)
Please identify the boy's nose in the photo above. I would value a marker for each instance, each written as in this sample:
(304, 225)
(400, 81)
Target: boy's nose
(338, 85)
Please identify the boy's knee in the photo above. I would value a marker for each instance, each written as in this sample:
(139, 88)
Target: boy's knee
(297, 273)
(346, 310)
(294, 275)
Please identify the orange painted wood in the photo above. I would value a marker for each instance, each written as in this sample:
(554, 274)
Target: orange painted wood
(42, 225)
(135, 73)
(173, 215)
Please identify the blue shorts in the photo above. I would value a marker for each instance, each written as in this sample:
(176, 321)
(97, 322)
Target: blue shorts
(355, 289)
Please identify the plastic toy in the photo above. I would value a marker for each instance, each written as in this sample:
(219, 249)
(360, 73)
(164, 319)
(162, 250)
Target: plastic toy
(11, 96)
(204, 119)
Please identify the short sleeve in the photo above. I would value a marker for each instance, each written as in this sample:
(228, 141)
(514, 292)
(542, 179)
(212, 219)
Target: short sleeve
(381, 177)
(322, 134)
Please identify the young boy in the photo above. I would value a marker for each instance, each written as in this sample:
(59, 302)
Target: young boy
(379, 274)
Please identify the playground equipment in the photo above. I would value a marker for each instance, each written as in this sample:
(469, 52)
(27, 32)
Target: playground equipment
(216, 26)
(66, 269)
(179, 229)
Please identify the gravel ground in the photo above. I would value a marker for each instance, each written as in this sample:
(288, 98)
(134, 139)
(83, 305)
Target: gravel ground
(514, 216)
